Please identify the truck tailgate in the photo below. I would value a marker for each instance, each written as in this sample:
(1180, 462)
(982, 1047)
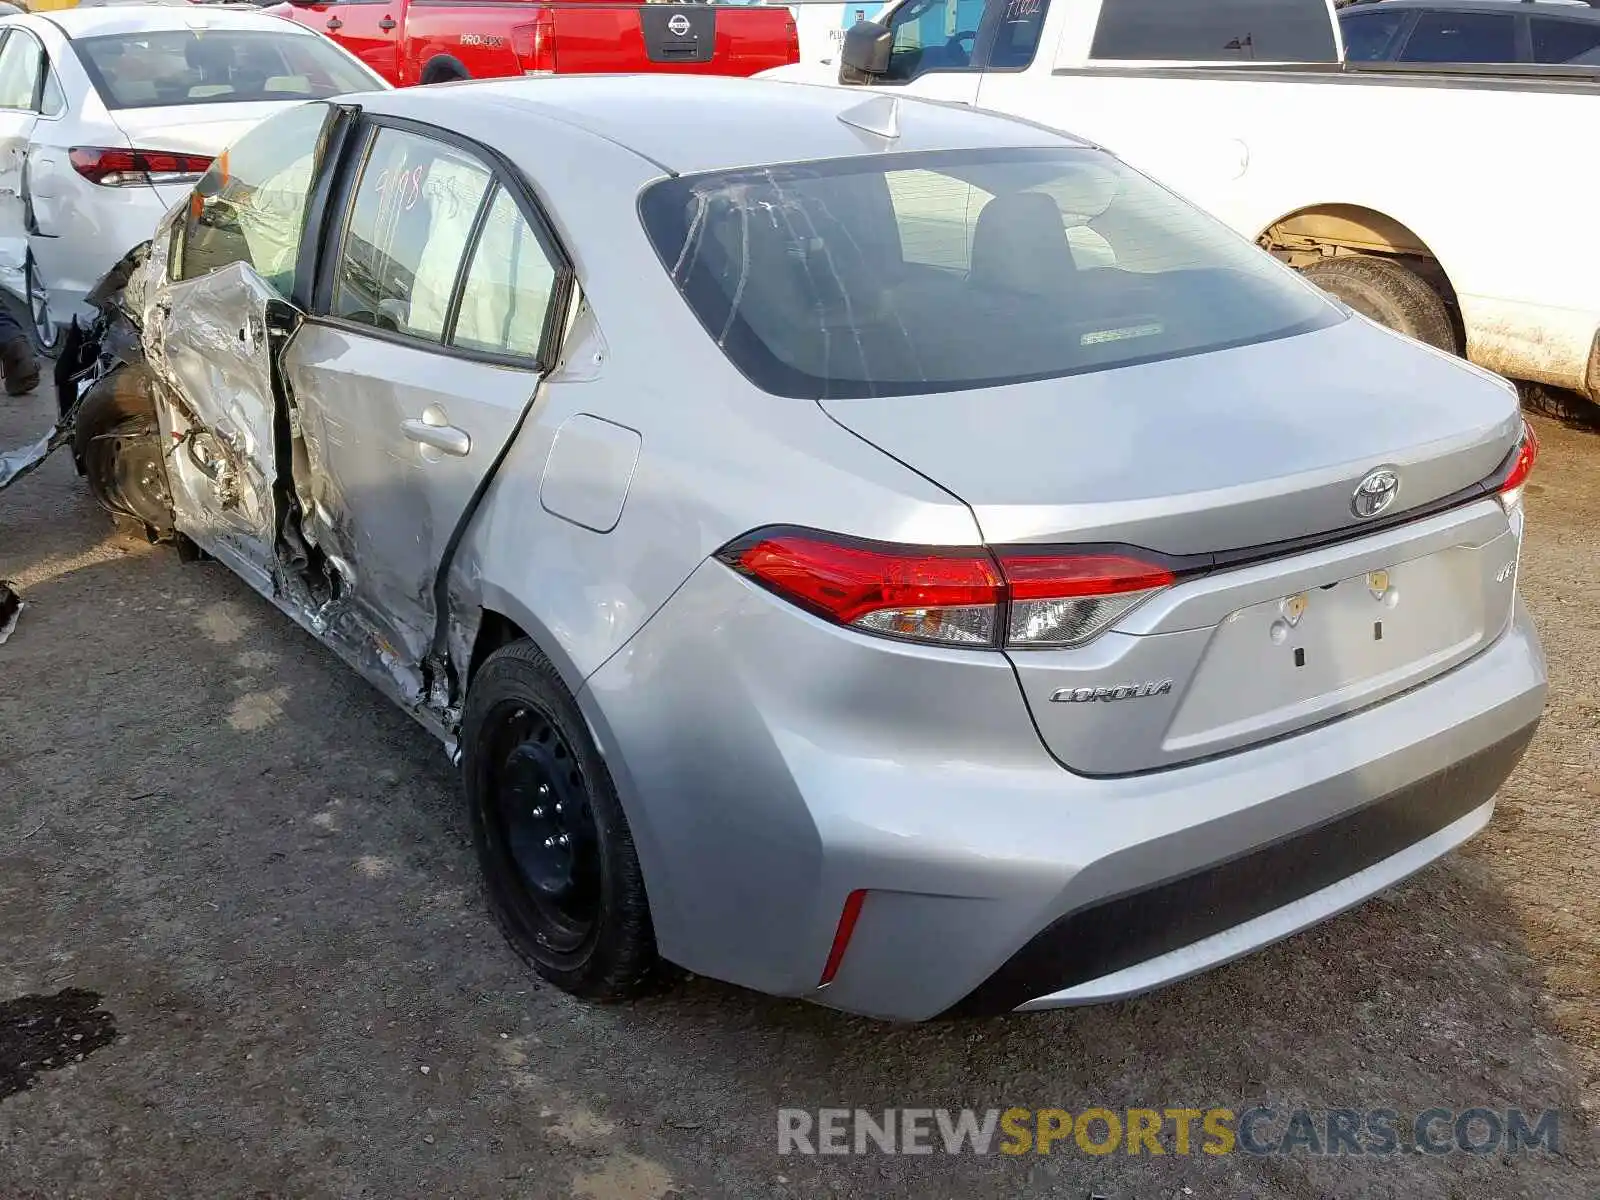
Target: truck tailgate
(705, 38)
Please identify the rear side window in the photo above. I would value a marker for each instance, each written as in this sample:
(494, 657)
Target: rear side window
(508, 285)
(1462, 38)
(1215, 31)
(162, 68)
(21, 65)
(414, 210)
(944, 271)
(1566, 41)
(250, 205)
(1367, 36)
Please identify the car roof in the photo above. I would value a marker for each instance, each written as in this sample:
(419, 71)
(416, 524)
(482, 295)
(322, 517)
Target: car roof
(143, 18)
(1535, 8)
(691, 123)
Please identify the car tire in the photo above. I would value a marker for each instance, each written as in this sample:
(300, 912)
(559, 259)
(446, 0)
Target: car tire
(1390, 294)
(557, 856)
(46, 333)
(117, 443)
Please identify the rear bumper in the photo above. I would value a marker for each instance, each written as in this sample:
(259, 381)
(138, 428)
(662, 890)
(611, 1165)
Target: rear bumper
(1120, 947)
(771, 764)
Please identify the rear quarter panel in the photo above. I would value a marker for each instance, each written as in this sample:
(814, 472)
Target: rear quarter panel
(716, 456)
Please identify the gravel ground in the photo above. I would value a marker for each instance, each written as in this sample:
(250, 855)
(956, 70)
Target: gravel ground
(257, 878)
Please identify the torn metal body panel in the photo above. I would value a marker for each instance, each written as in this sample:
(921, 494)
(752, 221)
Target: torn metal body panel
(14, 464)
(208, 342)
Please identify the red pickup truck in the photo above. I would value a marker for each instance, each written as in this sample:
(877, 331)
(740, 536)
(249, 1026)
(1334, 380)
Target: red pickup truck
(431, 41)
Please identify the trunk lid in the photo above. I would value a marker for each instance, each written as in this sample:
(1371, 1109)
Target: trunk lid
(191, 129)
(1219, 458)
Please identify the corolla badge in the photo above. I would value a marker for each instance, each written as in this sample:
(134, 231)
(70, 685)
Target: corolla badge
(678, 24)
(1126, 691)
(1375, 492)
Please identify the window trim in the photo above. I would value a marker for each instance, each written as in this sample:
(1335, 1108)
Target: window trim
(338, 208)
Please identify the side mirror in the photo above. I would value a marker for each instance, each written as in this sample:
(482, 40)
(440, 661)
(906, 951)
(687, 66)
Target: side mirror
(865, 54)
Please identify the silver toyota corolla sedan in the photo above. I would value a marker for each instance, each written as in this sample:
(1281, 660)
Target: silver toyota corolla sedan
(862, 549)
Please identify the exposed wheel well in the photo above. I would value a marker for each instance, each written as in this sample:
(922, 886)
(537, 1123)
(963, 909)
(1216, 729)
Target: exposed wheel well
(442, 69)
(494, 630)
(1330, 230)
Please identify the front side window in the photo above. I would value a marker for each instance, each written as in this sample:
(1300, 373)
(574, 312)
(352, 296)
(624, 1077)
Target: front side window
(1215, 31)
(173, 67)
(1367, 35)
(944, 271)
(250, 205)
(933, 35)
(507, 288)
(21, 64)
(1462, 38)
(1566, 41)
(414, 209)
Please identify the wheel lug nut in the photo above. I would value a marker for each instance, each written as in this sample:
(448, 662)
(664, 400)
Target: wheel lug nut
(562, 840)
(538, 813)
(549, 843)
(544, 789)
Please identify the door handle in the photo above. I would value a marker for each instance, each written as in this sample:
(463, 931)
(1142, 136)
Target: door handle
(434, 429)
(335, 23)
(386, 24)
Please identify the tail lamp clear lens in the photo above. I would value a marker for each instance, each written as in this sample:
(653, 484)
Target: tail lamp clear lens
(1024, 598)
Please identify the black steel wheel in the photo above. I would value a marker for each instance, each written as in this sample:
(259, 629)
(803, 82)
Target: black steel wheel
(557, 855)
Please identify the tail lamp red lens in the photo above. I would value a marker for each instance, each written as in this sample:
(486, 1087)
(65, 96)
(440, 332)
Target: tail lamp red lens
(534, 44)
(1527, 454)
(110, 166)
(956, 596)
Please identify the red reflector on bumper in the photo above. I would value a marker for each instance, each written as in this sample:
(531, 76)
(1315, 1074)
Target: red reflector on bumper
(841, 937)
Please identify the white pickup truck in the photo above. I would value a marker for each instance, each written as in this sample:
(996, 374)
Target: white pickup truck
(1449, 202)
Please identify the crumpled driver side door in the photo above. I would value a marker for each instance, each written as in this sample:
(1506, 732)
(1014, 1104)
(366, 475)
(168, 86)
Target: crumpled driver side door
(218, 308)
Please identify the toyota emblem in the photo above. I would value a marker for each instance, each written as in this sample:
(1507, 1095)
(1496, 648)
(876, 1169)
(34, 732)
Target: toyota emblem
(1375, 492)
(678, 25)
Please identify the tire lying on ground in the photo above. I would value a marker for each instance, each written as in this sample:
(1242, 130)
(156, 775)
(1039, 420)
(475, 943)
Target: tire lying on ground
(1390, 294)
(118, 443)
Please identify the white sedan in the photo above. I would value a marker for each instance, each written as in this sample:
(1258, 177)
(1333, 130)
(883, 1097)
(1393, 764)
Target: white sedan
(109, 115)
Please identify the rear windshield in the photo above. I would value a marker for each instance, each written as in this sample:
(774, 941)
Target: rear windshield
(216, 66)
(938, 272)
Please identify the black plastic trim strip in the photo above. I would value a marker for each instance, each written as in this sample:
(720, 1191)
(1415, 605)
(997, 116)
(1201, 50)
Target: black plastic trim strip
(1124, 931)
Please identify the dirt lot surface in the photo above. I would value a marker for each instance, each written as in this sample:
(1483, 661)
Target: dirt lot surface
(256, 877)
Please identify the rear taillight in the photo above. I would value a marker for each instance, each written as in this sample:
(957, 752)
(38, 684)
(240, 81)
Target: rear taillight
(793, 33)
(113, 167)
(1064, 599)
(534, 44)
(1521, 467)
(1019, 597)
